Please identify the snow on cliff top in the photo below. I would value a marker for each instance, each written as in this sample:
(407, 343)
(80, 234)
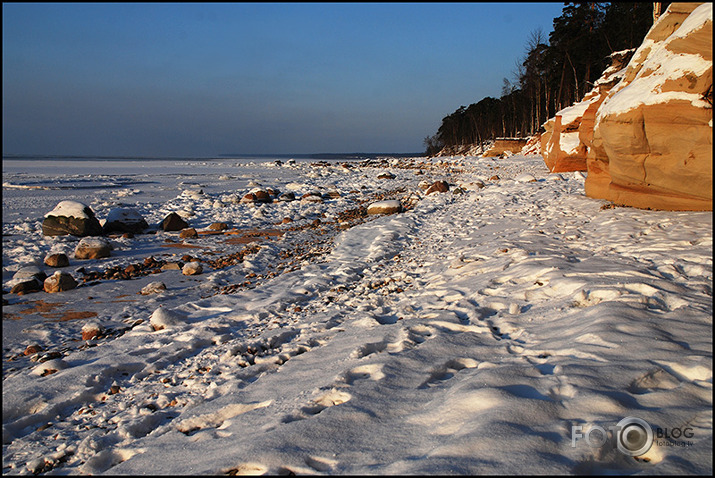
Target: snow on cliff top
(660, 66)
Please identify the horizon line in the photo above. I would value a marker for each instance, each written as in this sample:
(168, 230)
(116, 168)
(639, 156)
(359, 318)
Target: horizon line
(214, 156)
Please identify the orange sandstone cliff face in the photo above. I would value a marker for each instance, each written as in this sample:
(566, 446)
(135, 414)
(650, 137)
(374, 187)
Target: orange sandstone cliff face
(567, 137)
(652, 136)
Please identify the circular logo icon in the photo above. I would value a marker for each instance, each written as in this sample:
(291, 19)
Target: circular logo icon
(634, 436)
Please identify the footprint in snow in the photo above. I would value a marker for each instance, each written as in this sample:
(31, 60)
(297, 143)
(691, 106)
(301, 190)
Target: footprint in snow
(329, 399)
(448, 370)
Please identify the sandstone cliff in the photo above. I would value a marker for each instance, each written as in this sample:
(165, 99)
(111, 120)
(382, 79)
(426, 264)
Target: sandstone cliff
(645, 132)
(567, 136)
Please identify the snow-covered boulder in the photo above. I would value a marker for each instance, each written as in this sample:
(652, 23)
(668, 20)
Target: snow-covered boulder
(71, 218)
(123, 219)
(49, 367)
(29, 272)
(162, 318)
(92, 330)
(652, 139)
(27, 280)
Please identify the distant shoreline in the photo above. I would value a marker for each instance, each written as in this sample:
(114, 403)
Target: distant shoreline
(316, 156)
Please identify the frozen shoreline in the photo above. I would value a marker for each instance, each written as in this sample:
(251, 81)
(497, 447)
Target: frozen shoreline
(468, 334)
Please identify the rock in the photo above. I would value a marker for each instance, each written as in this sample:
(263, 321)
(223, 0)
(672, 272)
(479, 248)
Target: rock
(525, 178)
(49, 367)
(193, 193)
(124, 220)
(92, 330)
(437, 186)
(57, 260)
(59, 282)
(385, 207)
(171, 266)
(32, 349)
(29, 272)
(71, 218)
(503, 145)
(386, 175)
(188, 233)
(92, 248)
(479, 184)
(314, 197)
(652, 139)
(192, 268)
(257, 196)
(27, 286)
(287, 196)
(218, 226)
(173, 222)
(153, 288)
(162, 318)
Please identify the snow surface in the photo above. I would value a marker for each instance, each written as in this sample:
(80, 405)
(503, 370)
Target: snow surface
(466, 335)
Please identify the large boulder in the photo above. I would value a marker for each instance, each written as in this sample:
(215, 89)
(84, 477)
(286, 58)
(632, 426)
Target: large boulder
(652, 139)
(29, 272)
(173, 222)
(122, 219)
(71, 218)
(92, 248)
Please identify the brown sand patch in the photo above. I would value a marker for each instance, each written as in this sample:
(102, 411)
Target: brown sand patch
(184, 246)
(75, 315)
(47, 310)
(252, 235)
(41, 307)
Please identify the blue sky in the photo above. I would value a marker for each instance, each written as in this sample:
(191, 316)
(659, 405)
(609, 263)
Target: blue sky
(205, 79)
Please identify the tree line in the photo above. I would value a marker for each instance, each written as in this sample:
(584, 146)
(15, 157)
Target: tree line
(552, 74)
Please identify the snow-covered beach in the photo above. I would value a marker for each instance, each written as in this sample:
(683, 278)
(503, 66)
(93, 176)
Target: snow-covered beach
(485, 329)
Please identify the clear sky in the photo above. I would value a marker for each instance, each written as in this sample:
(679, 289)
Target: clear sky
(205, 79)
